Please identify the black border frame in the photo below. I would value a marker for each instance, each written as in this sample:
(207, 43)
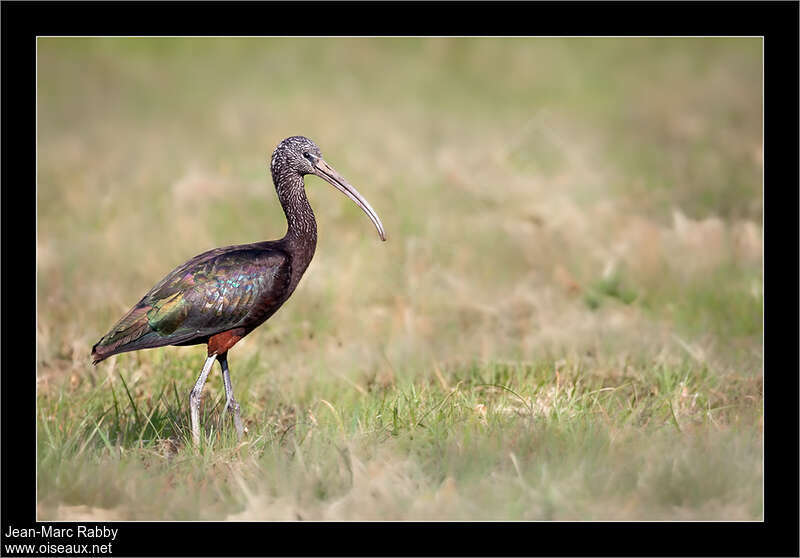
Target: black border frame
(776, 21)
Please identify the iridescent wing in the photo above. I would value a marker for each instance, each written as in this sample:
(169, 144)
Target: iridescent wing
(213, 292)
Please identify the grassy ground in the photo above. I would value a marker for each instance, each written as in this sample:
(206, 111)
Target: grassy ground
(565, 323)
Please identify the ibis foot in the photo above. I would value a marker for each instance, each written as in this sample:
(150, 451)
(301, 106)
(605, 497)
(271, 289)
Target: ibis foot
(231, 405)
(194, 398)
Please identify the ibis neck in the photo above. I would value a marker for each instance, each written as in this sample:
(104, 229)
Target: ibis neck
(301, 234)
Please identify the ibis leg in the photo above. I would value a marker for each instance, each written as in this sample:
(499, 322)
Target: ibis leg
(230, 402)
(194, 398)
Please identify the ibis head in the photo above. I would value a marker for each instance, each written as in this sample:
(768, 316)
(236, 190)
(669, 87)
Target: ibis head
(300, 156)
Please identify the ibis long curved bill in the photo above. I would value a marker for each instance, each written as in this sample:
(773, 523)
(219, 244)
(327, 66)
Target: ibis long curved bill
(329, 174)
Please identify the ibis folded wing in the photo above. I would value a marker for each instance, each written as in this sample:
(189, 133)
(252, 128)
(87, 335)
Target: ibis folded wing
(216, 291)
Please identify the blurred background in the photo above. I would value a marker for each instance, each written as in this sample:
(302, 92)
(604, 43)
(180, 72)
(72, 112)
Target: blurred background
(543, 198)
(538, 194)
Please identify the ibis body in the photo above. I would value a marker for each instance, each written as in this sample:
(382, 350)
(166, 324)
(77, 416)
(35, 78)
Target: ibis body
(220, 296)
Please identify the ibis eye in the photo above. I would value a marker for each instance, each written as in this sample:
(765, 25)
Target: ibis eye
(307, 155)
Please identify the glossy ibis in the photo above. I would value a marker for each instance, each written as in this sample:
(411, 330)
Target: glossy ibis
(221, 295)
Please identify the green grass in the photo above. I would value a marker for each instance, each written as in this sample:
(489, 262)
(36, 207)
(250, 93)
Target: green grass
(480, 441)
(565, 322)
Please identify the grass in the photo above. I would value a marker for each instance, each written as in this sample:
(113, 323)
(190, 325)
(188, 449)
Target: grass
(481, 441)
(566, 321)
